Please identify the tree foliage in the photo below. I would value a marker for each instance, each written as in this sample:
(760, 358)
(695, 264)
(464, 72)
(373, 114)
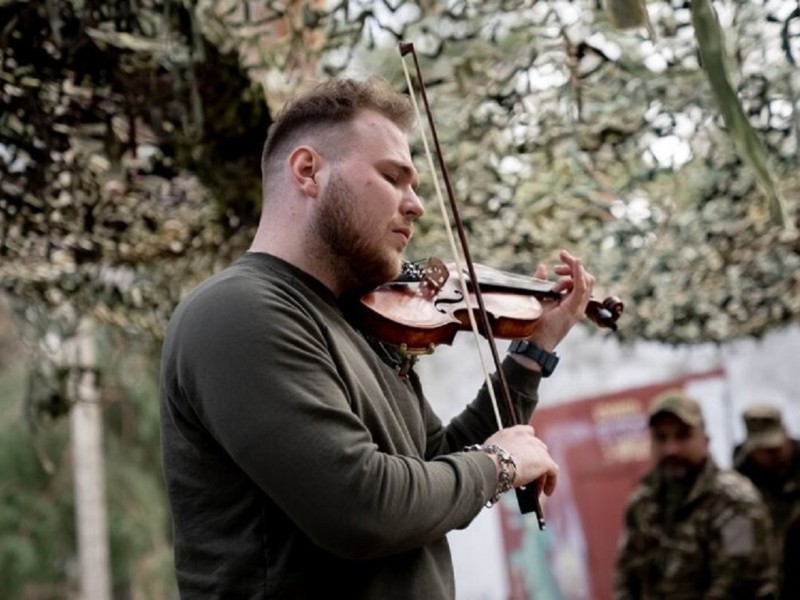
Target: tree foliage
(37, 507)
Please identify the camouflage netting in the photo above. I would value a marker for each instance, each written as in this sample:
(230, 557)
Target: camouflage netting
(130, 149)
(131, 135)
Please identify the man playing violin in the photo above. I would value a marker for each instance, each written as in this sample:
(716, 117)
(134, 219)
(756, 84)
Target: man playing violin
(298, 463)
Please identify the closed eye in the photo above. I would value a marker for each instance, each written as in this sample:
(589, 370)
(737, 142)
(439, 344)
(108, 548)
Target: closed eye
(398, 173)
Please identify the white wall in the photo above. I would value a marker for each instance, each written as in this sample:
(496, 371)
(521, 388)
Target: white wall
(766, 369)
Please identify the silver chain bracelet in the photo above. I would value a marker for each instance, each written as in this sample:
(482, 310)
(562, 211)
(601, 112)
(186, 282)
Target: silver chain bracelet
(508, 469)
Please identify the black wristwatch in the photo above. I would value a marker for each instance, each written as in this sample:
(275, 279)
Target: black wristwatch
(547, 360)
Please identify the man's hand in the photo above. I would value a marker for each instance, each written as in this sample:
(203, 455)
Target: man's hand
(575, 283)
(534, 462)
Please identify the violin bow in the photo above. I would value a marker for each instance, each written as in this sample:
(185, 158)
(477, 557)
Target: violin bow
(527, 496)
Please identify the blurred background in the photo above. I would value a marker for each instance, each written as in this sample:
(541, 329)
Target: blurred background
(658, 140)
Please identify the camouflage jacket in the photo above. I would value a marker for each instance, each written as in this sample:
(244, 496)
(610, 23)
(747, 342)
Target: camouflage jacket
(781, 494)
(719, 547)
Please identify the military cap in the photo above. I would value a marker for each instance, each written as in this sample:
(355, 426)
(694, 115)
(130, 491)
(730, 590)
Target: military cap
(764, 427)
(677, 403)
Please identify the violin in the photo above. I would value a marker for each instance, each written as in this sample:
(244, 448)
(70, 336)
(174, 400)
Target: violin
(426, 306)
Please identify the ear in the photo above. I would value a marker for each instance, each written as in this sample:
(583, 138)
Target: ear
(304, 164)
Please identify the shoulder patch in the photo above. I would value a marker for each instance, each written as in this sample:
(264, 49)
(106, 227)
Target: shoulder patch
(738, 537)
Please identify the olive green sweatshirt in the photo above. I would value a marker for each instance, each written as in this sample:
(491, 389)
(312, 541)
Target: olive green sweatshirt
(297, 462)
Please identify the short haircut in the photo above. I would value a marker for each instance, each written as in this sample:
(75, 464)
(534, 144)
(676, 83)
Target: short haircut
(333, 104)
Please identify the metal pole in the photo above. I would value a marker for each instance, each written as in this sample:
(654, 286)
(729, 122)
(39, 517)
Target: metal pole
(86, 422)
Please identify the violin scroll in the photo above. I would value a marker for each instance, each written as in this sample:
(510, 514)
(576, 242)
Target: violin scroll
(605, 313)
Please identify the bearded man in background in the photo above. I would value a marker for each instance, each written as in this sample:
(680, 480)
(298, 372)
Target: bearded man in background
(692, 530)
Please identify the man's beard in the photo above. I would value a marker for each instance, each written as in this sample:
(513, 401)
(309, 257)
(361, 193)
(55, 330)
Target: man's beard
(678, 470)
(357, 263)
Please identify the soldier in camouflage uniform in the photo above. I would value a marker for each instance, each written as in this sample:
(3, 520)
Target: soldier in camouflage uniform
(691, 529)
(771, 460)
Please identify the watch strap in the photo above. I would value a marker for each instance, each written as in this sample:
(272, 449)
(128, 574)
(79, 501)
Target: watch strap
(546, 360)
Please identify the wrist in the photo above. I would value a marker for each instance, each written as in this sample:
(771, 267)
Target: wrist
(506, 468)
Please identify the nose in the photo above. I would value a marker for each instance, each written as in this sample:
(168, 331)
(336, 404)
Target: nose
(670, 448)
(412, 206)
